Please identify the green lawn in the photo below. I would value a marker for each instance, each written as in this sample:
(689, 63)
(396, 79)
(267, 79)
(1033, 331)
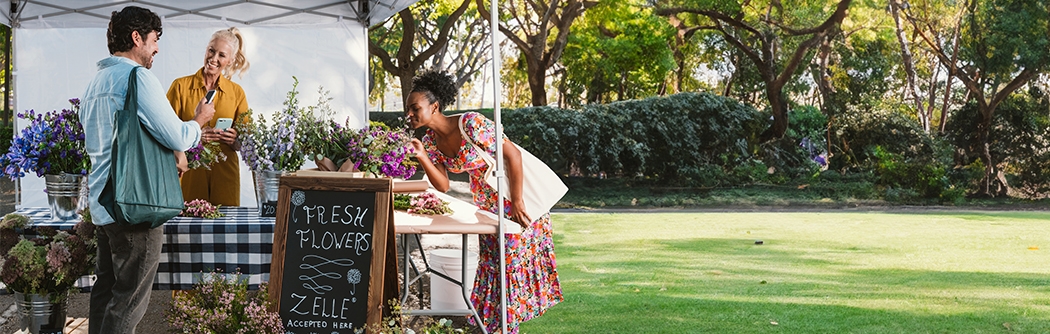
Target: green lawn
(837, 272)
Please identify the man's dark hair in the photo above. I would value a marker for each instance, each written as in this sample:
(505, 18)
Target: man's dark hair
(129, 19)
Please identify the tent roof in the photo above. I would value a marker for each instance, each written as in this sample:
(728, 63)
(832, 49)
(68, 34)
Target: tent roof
(96, 13)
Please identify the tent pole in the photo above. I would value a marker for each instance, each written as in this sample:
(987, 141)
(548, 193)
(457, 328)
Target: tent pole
(500, 174)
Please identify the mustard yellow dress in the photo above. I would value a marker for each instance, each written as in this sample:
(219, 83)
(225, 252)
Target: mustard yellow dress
(222, 184)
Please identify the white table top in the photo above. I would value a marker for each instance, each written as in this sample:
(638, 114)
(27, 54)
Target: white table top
(466, 218)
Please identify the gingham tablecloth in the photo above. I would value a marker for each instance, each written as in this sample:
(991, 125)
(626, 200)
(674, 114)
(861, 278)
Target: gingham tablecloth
(239, 241)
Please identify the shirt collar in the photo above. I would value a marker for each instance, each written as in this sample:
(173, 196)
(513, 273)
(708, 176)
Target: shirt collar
(198, 81)
(114, 60)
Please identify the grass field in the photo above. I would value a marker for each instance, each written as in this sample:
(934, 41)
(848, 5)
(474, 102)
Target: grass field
(841, 272)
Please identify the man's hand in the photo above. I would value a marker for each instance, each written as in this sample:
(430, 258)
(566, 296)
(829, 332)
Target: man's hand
(204, 112)
(181, 162)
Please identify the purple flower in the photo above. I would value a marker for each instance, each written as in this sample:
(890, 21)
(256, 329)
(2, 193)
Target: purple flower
(52, 143)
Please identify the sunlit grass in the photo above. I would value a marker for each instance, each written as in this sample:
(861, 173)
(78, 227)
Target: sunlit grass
(843, 272)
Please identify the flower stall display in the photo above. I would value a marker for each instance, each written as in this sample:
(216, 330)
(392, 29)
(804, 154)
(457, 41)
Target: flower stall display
(221, 303)
(49, 263)
(53, 143)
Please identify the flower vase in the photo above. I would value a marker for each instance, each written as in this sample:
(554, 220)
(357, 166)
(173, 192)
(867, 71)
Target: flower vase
(267, 186)
(66, 195)
(39, 314)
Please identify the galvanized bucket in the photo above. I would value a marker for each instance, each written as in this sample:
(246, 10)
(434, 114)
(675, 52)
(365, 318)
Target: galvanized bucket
(267, 186)
(39, 315)
(66, 195)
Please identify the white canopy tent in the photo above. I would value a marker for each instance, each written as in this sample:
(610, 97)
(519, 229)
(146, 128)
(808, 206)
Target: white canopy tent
(321, 42)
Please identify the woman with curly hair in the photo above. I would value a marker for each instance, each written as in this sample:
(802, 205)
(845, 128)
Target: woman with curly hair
(532, 276)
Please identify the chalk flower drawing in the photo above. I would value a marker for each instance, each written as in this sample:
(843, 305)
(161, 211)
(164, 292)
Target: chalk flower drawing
(353, 276)
(298, 197)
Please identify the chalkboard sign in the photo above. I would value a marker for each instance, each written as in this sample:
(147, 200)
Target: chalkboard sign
(329, 254)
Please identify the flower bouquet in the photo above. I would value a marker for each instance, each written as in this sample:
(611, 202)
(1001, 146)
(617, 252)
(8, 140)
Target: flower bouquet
(53, 143)
(222, 304)
(378, 150)
(324, 140)
(204, 155)
(424, 204)
(49, 263)
(201, 208)
(277, 145)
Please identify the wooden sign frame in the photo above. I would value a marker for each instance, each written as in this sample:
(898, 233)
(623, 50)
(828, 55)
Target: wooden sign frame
(382, 229)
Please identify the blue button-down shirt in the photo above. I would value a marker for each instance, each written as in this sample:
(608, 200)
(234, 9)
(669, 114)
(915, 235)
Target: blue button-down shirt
(104, 96)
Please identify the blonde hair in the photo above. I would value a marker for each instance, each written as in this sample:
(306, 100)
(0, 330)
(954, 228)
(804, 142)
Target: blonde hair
(240, 63)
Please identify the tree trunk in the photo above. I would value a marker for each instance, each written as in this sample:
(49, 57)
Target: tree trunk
(778, 105)
(406, 87)
(988, 186)
(909, 68)
(537, 88)
(820, 76)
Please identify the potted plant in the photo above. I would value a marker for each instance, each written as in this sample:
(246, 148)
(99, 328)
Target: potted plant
(52, 146)
(42, 269)
(221, 303)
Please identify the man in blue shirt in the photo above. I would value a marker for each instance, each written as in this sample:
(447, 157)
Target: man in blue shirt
(128, 255)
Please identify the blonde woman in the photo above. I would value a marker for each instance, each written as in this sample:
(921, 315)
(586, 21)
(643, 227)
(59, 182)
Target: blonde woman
(223, 57)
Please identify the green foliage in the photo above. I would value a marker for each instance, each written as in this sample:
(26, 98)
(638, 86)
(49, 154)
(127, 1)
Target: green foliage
(1019, 140)
(7, 133)
(695, 138)
(856, 133)
(562, 138)
(1000, 37)
(616, 52)
(807, 122)
(864, 71)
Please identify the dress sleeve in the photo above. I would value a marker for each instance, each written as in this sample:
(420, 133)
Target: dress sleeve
(480, 130)
(432, 151)
(242, 109)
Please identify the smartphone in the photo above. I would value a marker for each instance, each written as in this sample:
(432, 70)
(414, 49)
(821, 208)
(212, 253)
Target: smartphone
(209, 97)
(223, 123)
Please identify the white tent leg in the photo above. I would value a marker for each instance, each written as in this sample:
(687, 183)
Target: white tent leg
(500, 174)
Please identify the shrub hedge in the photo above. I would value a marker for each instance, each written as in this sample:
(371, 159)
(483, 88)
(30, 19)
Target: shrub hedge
(705, 140)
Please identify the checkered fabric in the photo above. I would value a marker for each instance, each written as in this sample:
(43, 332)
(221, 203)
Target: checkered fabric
(240, 241)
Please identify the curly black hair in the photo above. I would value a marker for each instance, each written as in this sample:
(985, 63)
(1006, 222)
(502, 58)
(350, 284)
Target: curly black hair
(438, 85)
(122, 23)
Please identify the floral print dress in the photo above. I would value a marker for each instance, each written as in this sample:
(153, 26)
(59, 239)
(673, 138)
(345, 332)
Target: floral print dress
(532, 277)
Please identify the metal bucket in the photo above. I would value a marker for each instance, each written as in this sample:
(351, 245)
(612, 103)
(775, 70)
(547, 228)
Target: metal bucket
(39, 315)
(66, 195)
(267, 186)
